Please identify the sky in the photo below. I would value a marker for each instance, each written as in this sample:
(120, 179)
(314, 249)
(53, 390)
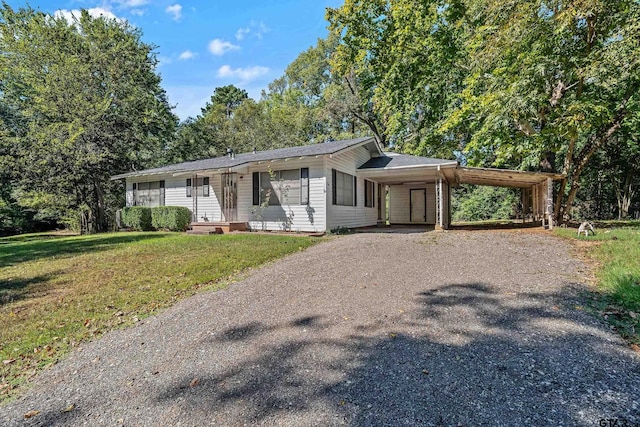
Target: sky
(204, 44)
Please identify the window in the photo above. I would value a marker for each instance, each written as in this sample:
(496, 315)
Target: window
(148, 193)
(345, 191)
(369, 194)
(202, 185)
(285, 187)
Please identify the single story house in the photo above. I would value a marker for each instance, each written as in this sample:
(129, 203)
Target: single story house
(323, 186)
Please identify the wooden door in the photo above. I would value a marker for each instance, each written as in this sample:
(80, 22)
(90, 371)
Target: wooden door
(230, 196)
(418, 208)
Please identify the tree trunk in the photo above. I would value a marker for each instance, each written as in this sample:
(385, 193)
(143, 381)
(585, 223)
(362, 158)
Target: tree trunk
(100, 214)
(580, 161)
(624, 194)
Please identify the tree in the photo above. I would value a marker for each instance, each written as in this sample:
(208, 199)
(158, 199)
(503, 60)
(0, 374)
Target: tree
(519, 83)
(230, 97)
(90, 104)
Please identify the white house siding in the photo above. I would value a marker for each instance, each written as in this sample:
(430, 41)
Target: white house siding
(176, 195)
(311, 217)
(399, 203)
(349, 216)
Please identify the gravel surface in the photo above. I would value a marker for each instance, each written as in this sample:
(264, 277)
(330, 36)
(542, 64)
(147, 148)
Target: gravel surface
(442, 328)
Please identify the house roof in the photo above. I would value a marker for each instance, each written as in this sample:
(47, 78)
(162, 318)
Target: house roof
(390, 160)
(225, 162)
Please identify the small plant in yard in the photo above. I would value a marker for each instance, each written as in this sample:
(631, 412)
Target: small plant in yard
(56, 292)
(341, 231)
(616, 252)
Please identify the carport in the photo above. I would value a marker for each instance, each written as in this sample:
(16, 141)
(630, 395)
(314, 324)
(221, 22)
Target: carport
(419, 188)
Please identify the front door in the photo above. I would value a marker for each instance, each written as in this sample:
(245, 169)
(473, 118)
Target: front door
(229, 196)
(418, 208)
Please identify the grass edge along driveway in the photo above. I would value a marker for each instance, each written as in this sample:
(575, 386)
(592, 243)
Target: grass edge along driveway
(615, 254)
(59, 291)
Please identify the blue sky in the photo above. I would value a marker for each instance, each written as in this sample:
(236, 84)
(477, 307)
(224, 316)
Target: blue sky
(206, 44)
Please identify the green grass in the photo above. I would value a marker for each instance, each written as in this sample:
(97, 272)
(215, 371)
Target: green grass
(59, 291)
(616, 252)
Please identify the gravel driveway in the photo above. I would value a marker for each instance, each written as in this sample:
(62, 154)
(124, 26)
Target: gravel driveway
(442, 328)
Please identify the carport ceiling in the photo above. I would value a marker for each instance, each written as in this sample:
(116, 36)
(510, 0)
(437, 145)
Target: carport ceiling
(501, 177)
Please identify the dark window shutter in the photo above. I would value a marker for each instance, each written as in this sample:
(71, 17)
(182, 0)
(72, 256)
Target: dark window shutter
(334, 195)
(205, 186)
(373, 195)
(366, 193)
(135, 190)
(162, 193)
(256, 188)
(355, 191)
(188, 187)
(304, 186)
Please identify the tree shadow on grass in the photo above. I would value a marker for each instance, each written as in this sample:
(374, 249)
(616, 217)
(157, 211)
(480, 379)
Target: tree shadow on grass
(15, 250)
(15, 289)
(467, 355)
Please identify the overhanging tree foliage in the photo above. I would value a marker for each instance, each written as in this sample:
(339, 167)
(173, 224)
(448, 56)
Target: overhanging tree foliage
(88, 104)
(527, 83)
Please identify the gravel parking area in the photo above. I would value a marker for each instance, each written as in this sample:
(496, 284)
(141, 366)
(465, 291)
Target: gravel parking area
(441, 328)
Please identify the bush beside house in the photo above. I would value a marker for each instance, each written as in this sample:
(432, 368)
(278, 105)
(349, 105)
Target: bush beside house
(142, 218)
(137, 218)
(173, 218)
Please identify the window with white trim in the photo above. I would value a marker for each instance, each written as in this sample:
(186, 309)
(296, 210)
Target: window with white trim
(369, 193)
(344, 189)
(283, 187)
(149, 194)
(202, 185)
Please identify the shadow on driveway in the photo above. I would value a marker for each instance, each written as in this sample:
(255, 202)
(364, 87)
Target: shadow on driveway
(525, 363)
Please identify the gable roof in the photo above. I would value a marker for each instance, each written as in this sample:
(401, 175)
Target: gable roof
(224, 162)
(390, 160)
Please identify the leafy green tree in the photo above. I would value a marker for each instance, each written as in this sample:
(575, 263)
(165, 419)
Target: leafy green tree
(481, 203)
(527, 83)
(400, 61)
(90, 103)
(230, 97)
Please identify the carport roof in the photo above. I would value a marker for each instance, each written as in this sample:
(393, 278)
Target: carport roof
(502, 177)
(398, 168)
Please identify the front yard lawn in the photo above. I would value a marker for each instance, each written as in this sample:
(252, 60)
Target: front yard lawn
(58, 291)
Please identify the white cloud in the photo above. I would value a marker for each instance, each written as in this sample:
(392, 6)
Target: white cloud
(132, 3)
(174, 10)
(242, 32)
(187, 54)
(138, 12)
(244, 74)
(95, 12)
(164, 60)
(260, 30)
(256, 29)
(220, 47)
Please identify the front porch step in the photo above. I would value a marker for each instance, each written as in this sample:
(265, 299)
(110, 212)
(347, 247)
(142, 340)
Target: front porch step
(218, 227)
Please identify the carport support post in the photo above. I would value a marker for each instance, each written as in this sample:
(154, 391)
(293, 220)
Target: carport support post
(439, 204)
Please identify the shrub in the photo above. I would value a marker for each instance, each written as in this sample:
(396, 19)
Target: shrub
(173, 218)
(480, 203)
(137, 218)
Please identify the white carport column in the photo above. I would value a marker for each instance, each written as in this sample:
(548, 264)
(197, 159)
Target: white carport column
(550, 202)
(439, 204)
